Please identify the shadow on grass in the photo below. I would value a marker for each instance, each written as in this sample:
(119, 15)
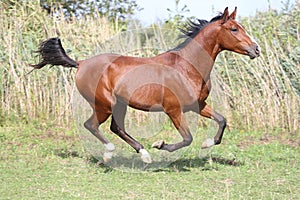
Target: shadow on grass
(205, 163)
(95, 162)
(66, 153)
(180, 165)
(129, 164)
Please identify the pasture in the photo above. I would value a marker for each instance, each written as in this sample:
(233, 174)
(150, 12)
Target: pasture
(43, 156)
(42, 161)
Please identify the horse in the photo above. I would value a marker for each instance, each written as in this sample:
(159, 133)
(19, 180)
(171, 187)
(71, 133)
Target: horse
(173, 82)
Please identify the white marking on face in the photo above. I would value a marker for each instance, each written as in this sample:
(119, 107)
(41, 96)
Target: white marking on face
(251, 38)
(254, 41)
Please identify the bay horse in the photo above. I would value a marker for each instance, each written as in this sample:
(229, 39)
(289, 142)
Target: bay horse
(174, 82)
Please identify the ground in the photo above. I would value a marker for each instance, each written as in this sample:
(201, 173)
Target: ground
(43, 161)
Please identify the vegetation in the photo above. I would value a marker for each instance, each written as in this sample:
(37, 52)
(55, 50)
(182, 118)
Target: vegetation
(47, 162)
(262, 94)
(46, 95)
(42, 156)
(118, 11)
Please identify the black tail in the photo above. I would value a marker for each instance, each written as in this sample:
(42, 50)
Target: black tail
(53, 53)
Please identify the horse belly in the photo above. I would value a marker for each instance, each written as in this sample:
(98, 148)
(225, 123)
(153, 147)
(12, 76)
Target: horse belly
(147, 98)
(154, 97)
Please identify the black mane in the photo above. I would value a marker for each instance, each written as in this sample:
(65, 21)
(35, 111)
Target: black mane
(192, 29)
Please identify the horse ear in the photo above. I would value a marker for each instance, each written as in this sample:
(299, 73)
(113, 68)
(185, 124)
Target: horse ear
(225, 15)
(233, 14)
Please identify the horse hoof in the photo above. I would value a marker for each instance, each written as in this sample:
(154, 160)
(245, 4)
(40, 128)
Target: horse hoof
(109, 147)
(208, 143)
(107, 156)
(158, 144)
(146, 158)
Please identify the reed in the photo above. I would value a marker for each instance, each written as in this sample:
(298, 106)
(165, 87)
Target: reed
(46, 94)
(261, 94)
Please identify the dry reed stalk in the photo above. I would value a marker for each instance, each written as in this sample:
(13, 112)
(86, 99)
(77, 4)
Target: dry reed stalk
(262, 94)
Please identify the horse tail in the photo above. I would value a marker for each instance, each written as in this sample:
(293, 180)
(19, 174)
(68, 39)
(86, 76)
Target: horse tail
(53, 53)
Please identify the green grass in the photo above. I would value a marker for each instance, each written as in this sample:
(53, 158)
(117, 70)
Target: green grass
(45, 162)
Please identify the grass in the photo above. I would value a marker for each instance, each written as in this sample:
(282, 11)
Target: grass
(46, 162)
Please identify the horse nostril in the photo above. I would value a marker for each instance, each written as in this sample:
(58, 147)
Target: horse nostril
(257, 49)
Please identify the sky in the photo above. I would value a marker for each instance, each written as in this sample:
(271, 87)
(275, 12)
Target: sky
(203, 9)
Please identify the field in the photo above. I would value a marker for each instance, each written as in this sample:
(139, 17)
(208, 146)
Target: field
(44, 162)
(43, 151)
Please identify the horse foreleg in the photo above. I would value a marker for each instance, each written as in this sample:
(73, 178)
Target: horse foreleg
(92, 124)
(117, 126)
(208, 112)
(180, 124)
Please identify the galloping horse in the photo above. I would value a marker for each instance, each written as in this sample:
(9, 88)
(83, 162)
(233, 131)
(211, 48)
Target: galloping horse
(174, 82)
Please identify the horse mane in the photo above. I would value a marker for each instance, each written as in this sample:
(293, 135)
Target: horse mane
(191, 29)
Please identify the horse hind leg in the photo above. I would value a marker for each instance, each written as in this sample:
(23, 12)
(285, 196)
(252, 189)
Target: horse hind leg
(117, 126)
(92, 124)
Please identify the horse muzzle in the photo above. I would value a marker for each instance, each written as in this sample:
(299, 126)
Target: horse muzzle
(254, 51)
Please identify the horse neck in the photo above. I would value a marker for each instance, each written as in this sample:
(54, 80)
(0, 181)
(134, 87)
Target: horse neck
(202, 51)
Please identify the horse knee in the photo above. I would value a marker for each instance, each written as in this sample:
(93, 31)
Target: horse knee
(90, 126)
(223, 123)
(87, 125)
(188, 140)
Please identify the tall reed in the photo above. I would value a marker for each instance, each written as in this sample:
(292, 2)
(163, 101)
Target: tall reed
(46, 94)
(261, 94)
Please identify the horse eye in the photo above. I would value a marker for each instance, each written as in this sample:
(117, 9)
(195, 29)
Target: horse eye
(234, 29)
